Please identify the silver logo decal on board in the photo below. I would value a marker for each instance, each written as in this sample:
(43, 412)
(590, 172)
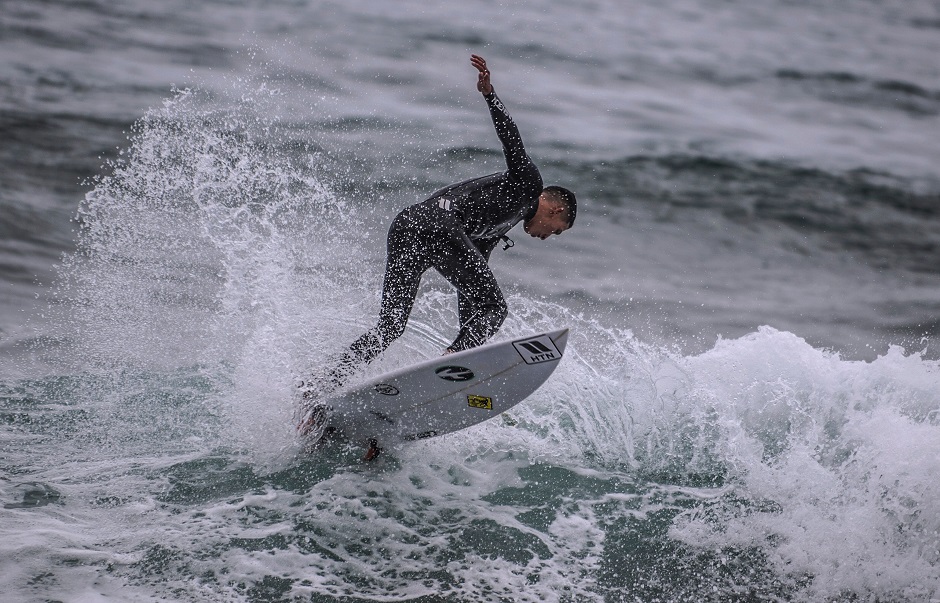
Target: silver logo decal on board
(386, 390)
(537, 349)
(454, 373)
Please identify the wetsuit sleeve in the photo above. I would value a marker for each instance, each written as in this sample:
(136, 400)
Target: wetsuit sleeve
(518, 162)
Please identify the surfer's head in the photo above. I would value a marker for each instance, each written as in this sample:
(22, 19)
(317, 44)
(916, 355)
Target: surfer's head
(555, 213)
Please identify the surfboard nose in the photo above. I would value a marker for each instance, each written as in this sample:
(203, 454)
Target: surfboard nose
(560, 339)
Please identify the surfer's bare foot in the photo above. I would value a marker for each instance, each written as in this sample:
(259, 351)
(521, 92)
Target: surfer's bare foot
(373, 450)
(313, 422)
(312, 415)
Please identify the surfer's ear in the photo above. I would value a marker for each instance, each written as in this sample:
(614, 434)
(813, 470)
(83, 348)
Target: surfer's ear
(564, 197)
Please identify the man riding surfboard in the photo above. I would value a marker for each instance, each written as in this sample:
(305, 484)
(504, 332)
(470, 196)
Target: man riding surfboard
(454, 231)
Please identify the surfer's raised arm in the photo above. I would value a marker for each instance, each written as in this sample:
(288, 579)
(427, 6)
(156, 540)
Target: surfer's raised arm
(521, 168)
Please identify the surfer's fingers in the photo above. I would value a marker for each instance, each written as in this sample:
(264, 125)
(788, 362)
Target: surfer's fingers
(479, 62)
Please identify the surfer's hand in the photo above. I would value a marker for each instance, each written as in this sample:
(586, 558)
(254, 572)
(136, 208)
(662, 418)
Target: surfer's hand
(483, 79)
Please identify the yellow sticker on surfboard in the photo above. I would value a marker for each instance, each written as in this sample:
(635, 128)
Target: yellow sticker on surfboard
(480, 402)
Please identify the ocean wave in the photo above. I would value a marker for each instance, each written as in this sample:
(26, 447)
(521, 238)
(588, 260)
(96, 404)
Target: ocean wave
(854, 89)
(885, 219)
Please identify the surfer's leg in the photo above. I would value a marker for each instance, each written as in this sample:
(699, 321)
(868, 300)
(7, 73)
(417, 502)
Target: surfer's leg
(398, 295)
(481, 303)
(406, 262)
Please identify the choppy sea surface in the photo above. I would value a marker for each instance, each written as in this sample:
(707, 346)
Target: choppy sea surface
(193, 206)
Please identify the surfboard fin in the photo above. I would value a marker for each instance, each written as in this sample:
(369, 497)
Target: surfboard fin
(373, 450)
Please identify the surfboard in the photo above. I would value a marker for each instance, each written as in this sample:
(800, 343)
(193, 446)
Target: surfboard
(444, 394)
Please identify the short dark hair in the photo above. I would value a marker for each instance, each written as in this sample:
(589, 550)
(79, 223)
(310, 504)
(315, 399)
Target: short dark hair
(566, 198)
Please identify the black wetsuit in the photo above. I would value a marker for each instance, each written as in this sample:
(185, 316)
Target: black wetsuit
(454, 231)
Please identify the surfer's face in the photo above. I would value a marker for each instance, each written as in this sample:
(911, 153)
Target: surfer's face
(550, 219)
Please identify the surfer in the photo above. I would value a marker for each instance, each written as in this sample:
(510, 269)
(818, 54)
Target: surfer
(454, 231)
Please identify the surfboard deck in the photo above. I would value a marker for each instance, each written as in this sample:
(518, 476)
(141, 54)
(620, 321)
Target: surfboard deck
(444, 394)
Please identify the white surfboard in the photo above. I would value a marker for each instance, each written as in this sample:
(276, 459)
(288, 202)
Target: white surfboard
(445, 394)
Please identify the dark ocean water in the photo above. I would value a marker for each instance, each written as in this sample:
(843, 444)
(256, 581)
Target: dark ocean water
(194, 202)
